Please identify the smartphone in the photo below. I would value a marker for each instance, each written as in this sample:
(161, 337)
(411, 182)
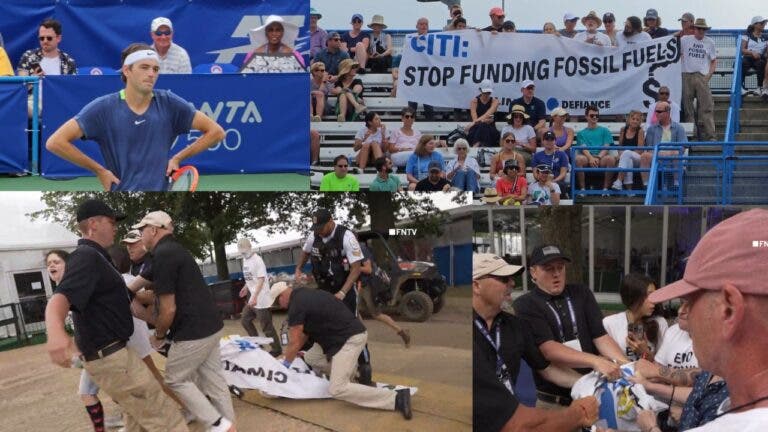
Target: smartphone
(35, 67)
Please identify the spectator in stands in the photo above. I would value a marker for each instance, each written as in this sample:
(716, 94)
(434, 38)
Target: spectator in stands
(370, 140)
(563, 134)
(497, 19)
(525, 136)
(666, 131)
(173, 58)
(664, 94)
(686, 22)
(549, 28)
(422, 28)
(699, 60)
(569, 21)
(385, 181)
(435, 181)
(482, 109)
(754, 49)
(380, 47)
(356, 41)
(508, 27)
(5, 64)
(464, 171)
(633, 33)
(631, 134)
(507, 152)
(319, 89)
(317, 36)
(402, 141)
(638, 330)
(652, 24)
(339, 180)
(455, 12)
(537, 111)
(556, 160)
(598, 137)
(349, 91)
(544, 191)
(48, 59)
(459, 23)
(609, 22)
(331, 56)
(592, 22)
(512, 186)
(417, 167)
(314, 147)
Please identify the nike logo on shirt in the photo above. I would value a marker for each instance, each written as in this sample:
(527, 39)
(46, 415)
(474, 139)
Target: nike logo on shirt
(138, 122)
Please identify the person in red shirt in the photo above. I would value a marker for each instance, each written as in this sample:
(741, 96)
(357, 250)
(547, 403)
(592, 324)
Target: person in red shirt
(512, 187)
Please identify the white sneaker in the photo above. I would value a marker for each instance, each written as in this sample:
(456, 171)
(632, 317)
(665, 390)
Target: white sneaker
(617, 185)
(113, 421)
(224, 426)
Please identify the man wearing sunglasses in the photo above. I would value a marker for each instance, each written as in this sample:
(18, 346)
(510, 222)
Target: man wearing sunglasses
(173, 58)
(331, 56)
(652, 119)
(339, 180)
(48, 59)
(500, 341)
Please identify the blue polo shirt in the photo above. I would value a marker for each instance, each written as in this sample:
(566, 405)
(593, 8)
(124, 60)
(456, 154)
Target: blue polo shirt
(135, 147)
(555, 161)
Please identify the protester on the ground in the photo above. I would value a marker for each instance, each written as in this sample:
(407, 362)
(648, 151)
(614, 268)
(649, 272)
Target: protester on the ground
(187, 317)
(508, 151)
(754, 51)
(534, 107)
(497, 19)
(556, 160)
(331, 56)
(686, 22)
(632, 135)
(403, 141)
(563, 134)
(699, 61)
(339, 180)
(566, 324)
(501, 340)
(319, 88)
(549, 28)
(258, 304)
(482, 131)
(381, 47)
(600, 139)
(385, 181)
(609, 23)
(464, 171)
(652, 24)
(317, 36)
(592, 22)
(355, 42)
(544, 191)
(173, 58)
(525, 135)
(727, 307)
(512, 186)
(569, 22)
(349, 92)
(417, 167)
(370, 140)
(663, 96)
(633, 33)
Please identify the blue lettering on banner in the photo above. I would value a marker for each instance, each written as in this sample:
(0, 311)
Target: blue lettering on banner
(244, 345)
(441, 44)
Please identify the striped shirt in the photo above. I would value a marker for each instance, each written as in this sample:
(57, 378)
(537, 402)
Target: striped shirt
(175, 61)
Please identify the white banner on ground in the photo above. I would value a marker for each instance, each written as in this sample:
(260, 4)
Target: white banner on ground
(445, 69)
(247, 366)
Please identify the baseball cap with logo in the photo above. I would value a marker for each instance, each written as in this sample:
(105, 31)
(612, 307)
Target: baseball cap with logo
(546, 253)
(96, 207)
(484, 264)
(320, 218)
(132, 237)
(735, 251)
(549, 136)
(157, 218)
(161, 21)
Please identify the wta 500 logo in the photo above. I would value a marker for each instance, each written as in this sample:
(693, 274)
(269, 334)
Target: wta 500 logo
(231, 115)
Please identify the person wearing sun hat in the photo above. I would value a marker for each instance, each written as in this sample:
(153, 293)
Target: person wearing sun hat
(525, 135)
(277, 37)
(380, 48)
(317, 36)
(726, 297)
(500, 341)
(699, 61)
(593, 22)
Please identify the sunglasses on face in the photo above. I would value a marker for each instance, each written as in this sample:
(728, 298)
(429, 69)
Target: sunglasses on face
(509, 140)
(163, 33)
(319, 70)
(593, 115)
(461, 148)
(357, 20)
(46, 38)
(664, 93)
(660, 111)
(407, 116)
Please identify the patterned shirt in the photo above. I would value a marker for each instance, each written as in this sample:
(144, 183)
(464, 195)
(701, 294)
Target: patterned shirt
(35, 56)
(176, 61)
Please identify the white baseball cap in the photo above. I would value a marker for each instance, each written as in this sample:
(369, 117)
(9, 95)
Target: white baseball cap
(276, 290)
(158, 219)
(161, 21)
(485, 86)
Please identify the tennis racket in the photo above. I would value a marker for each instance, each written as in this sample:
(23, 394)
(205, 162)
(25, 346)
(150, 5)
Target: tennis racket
(183, 179)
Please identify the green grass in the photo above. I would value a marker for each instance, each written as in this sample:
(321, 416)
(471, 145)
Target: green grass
(225, 182)
(12, 343)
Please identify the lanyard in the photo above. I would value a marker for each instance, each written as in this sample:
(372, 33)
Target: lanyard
(501, 368)
(560, 323)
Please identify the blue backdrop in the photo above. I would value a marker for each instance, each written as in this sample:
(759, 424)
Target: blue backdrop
(266, 128)
(96, 31)
(13, 122)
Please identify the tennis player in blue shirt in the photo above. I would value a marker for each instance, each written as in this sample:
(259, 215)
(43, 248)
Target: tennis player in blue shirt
(135, 129)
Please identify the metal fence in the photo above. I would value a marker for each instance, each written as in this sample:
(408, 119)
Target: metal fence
(21, 322)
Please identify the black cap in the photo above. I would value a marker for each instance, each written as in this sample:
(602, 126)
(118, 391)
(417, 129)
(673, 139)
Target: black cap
(508, 25)
(543, 168)
(435, 166)
(320, 218)
(96, 207)
(511, 163)
(608, 16)
(546, 253)
(549, 135)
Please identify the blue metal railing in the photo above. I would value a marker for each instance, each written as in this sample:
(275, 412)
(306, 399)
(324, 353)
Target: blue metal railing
(732, 122)
(35, 82)
(575, 170)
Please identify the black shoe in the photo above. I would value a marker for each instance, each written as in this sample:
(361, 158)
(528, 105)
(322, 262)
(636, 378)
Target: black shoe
(403, 403)
(364, 374)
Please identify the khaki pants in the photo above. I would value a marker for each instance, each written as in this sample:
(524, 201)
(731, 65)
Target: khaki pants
(193, 371)
(264, 316)
(695, 86)
(128, 381)
(343, 366)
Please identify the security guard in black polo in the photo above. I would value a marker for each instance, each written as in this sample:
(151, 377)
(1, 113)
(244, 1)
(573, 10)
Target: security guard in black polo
(336, 256)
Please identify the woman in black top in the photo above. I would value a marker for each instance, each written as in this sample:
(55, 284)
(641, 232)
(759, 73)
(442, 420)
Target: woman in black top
(482, 131)
(631, 135)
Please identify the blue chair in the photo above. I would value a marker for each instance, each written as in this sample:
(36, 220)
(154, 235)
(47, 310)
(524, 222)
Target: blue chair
(97, 70)
(214, 68)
